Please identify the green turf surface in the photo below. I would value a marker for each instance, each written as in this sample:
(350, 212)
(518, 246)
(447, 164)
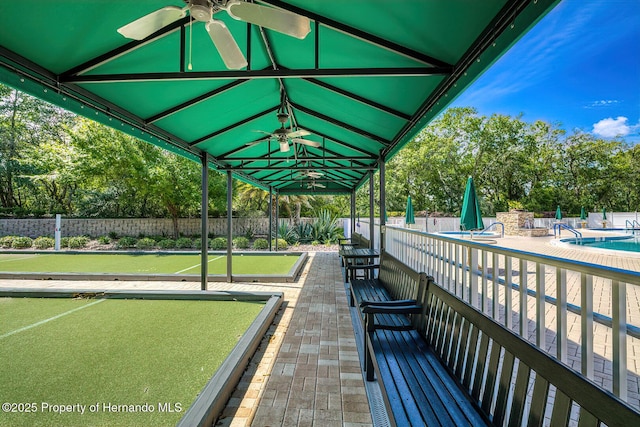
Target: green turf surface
(144, 264)
(158, 353)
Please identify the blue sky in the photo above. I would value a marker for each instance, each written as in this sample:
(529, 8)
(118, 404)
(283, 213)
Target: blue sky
(579, 67)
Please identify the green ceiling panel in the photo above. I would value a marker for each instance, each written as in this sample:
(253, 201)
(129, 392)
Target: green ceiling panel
(368, 76)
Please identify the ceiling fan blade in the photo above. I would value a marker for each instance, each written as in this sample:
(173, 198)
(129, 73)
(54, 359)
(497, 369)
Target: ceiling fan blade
(297, 133)
(306, 142)
(284, 146)
(279, 20)
(225, 43)
(315, 174)
(149, 24)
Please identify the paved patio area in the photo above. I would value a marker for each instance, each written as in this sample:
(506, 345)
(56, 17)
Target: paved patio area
(307, 370)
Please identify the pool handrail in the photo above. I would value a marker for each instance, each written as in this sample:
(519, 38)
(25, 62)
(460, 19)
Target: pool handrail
(561, 225)
(632, 227)
(491, 226)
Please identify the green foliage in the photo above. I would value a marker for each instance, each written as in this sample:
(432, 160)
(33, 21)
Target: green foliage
(145, 243)
(167, 244)
(184, 243)
(303, 232)
(218, 243)
(241, 242)
(126, 242)
(64, 242)
(21, 242)
(282, 244)
(261, 244)
(113, 235)
(43, 243)
(287, 232)
(104, 240)
(6, 242)
(325, 227)
(77, 242)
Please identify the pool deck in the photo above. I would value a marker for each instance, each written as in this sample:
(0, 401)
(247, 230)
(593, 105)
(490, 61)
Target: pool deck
(307, 371)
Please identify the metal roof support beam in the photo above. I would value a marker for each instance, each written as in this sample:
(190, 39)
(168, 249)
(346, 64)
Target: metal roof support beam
(258, 74)
(359, 98)
(229, 227)
(300, 158)
(204, 223)
(353, 212)
(125, 49)
(383, 209)
(194, 101)
(362, 35)
(343, 125)
(295, 168)
(232, 126)
(371, 212)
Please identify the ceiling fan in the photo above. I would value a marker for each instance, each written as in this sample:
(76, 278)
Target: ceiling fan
(314, 184)
(279, 20)
(309, 174)
(284, 135)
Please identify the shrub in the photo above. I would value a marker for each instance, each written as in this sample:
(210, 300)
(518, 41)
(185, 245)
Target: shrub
(146, 243)
(104, 240)
(287, 233)
(167, 244)
(241, 242)
(21, 243)
(44, 243)
(325, 228)
(282, 244)
(126, 243)
(78, 242)
(184, 243)
(218, 243)
(315, 243)
(197, 243)
(304, 231)
(64, 242)
(6, 242)
(261, 244)
(113, 235)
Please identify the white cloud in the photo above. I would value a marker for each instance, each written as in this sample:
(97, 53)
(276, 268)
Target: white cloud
(610, 127)
(602, 103)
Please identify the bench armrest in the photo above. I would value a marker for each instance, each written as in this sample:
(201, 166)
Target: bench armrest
(383, 309)
(363, 266)
(395, 303)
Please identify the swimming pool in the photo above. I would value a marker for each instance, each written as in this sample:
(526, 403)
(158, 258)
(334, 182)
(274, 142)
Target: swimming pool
(618, 243)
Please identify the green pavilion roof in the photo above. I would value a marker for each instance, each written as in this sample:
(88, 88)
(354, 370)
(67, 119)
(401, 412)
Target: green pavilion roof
(363, 82)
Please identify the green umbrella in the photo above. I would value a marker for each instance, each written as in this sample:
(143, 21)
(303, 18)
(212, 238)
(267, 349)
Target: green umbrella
(558, 213)
(604, 214)
(408, 216)
(583, 214)
(471, 216)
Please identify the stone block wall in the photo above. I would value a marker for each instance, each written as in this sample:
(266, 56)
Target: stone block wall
(515, 224)
(131, 226)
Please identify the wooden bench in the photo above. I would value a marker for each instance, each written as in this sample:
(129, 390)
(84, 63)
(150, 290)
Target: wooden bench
(459, 367)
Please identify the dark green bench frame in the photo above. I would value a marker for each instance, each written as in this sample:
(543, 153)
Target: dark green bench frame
(455, 366)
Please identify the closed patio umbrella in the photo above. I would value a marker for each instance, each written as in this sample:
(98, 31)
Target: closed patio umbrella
(604, 214)
(409, 217)
(583, 214)
(558, 213)
(471, 215)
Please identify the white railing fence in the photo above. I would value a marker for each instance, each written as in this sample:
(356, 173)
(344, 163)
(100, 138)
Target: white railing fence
(586, 315)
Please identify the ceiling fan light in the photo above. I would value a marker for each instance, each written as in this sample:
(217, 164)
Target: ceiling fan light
(284, 146)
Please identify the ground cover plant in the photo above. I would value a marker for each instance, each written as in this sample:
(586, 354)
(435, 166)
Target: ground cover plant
(112, 353)
(144, 264)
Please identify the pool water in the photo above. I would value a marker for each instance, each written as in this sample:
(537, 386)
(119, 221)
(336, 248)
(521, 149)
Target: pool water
(623, 243)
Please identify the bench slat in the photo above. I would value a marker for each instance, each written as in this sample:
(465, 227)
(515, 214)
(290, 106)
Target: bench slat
(490, 383)
(480, 366)
(503, 387)
(471, 359)
(561, 409)
(519, 395)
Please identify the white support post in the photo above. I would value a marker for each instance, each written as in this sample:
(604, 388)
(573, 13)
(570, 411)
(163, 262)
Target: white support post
(57, 232)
